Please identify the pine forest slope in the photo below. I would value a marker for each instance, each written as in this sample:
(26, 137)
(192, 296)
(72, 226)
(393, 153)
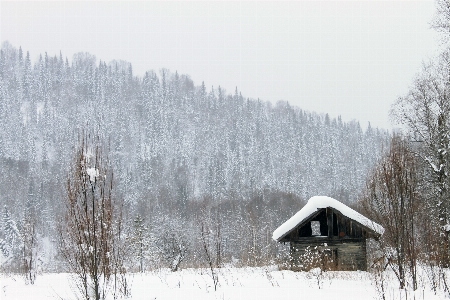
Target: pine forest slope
(171, 142)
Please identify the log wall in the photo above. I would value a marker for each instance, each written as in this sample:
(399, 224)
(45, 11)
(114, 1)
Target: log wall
(347, 254)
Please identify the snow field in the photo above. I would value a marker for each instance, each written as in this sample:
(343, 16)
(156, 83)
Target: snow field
(234, 283)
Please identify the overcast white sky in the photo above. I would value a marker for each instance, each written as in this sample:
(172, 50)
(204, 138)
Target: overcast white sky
(349, 58)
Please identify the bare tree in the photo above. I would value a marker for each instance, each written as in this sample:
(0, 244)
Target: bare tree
(441, 20)
(211, 243)
(91, 230)
(139, 240)
(212, 263)
(172, 241)
(425, 114)
(392, 199)
(173, 247)
(29, 250)
(29, 238)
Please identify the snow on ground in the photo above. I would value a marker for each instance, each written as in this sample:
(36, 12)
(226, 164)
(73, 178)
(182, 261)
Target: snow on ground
(235, 283)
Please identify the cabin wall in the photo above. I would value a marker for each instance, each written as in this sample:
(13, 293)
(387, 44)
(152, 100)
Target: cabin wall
(346, 254)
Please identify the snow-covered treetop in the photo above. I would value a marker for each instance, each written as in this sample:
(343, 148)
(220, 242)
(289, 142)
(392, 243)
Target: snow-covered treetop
(93, 173)
(318, 202)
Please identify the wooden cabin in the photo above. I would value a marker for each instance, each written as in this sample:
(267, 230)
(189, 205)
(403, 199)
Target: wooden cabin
(330, 227)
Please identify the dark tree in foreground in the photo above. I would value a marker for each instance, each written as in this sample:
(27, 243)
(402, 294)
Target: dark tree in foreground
(425, 114)
(91, 230)
(392, 199)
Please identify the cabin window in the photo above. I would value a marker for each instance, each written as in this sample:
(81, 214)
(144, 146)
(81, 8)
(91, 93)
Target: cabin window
(315, 228)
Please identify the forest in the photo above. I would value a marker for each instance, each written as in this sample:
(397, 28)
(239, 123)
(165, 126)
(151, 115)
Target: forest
(105, 173)
(174, 146)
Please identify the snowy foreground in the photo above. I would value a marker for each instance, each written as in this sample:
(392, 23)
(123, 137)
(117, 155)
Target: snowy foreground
(235, 283)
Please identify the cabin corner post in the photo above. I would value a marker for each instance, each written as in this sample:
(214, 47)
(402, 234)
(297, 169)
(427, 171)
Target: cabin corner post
(364, 253)
(294, 256)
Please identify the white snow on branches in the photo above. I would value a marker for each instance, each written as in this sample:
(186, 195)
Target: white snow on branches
(93, 173)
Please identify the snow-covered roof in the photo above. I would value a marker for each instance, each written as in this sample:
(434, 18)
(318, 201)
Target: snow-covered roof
(319, 202)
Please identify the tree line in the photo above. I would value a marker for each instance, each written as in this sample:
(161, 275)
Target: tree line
(176, 149)
(104, 172)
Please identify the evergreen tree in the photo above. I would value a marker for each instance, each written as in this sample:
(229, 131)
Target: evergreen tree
(11, 238)
(140, 240)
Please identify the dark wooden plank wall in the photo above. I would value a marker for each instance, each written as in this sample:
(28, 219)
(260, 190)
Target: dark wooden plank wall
(351, 253)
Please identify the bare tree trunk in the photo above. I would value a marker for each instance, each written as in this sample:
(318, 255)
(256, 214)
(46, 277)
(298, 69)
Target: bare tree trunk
(209, 259)
(392, 198)
(91, 231)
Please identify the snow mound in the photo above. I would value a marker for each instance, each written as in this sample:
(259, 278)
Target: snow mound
(318, 202)
(93, 173)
